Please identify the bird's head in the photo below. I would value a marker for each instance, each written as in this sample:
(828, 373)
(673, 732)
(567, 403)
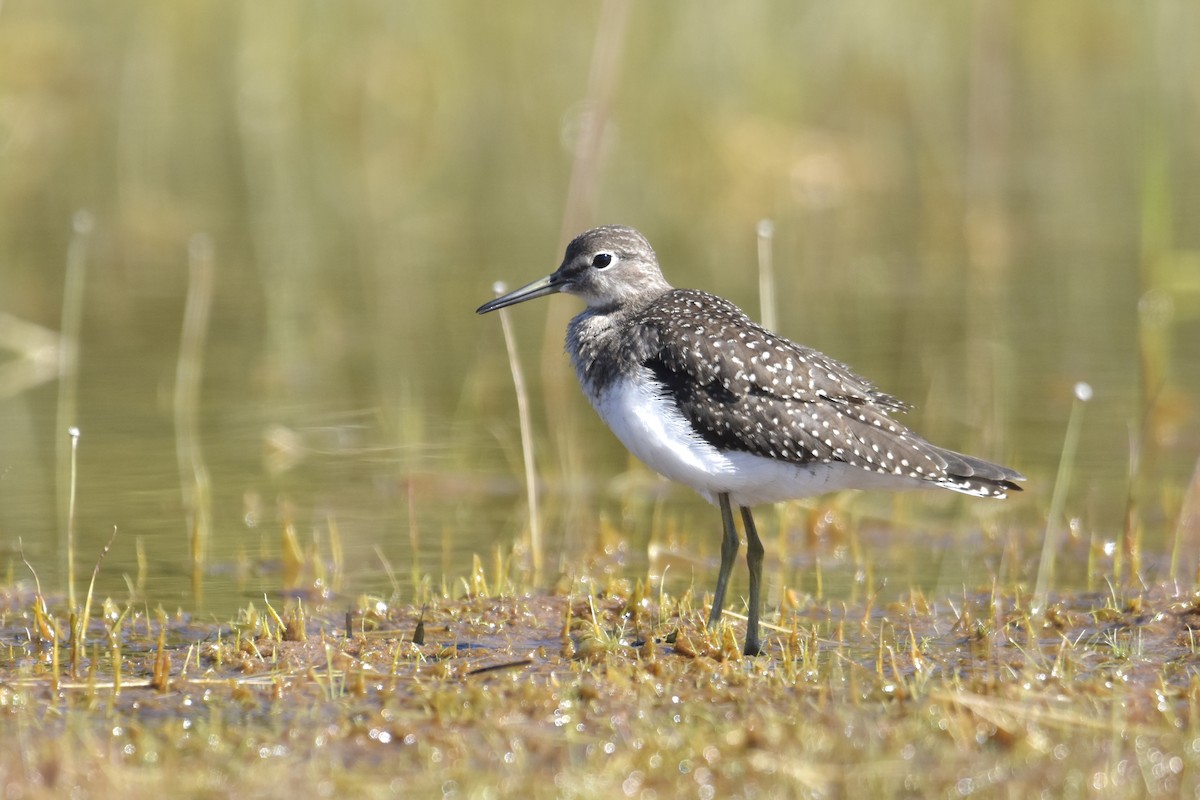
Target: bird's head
(609, 266)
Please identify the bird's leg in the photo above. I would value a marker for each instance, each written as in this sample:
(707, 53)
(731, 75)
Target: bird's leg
(754, 560)
(729, 548)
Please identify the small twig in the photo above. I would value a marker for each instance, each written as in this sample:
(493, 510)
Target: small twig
(524, 662)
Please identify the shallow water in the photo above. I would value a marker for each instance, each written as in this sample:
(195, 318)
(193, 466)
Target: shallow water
(364, 180)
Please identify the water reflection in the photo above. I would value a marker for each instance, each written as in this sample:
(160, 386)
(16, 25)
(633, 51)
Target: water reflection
(365, 177)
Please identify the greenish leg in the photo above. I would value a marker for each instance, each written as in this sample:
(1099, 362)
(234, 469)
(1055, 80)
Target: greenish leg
(754, 560)
(729, 548)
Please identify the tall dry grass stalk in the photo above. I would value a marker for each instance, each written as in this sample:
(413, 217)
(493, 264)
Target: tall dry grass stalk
(193, 473)
(766, 273)
(531, 493)
(1083, 393)
(68, 383)
(70, 527)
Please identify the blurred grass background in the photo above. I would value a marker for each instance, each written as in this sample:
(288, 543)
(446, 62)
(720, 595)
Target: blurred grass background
(976, 204)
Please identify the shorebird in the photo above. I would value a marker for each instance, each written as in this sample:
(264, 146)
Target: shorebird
(705, 396)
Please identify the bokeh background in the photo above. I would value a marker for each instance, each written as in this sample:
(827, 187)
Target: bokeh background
(976, 204)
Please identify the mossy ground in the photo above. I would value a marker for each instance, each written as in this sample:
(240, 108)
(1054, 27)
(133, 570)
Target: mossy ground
(609, 692)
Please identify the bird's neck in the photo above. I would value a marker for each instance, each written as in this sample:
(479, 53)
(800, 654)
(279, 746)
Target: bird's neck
(598, 347)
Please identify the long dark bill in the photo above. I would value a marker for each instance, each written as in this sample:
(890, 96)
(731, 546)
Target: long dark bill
(539, 288)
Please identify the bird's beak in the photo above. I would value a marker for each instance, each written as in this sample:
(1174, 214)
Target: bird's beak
(539, 288)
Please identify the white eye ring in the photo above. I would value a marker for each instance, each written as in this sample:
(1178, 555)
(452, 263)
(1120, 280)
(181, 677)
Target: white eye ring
(602, 260)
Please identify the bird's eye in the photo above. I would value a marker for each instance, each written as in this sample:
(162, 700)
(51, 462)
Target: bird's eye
(602, 260)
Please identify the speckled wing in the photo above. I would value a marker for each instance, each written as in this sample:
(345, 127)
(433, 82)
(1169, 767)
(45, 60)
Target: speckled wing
(711, 340)
(744, 388)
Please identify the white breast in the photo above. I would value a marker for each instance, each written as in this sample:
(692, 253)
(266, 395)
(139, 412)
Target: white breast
(642, 414)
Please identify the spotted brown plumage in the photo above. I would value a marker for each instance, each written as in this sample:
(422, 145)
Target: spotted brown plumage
(744, 388)
(707, 397)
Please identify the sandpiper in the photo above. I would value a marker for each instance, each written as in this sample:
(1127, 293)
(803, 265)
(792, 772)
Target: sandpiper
(705, 396)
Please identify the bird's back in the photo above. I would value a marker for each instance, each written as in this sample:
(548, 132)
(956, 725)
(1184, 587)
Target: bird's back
(743, 388)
